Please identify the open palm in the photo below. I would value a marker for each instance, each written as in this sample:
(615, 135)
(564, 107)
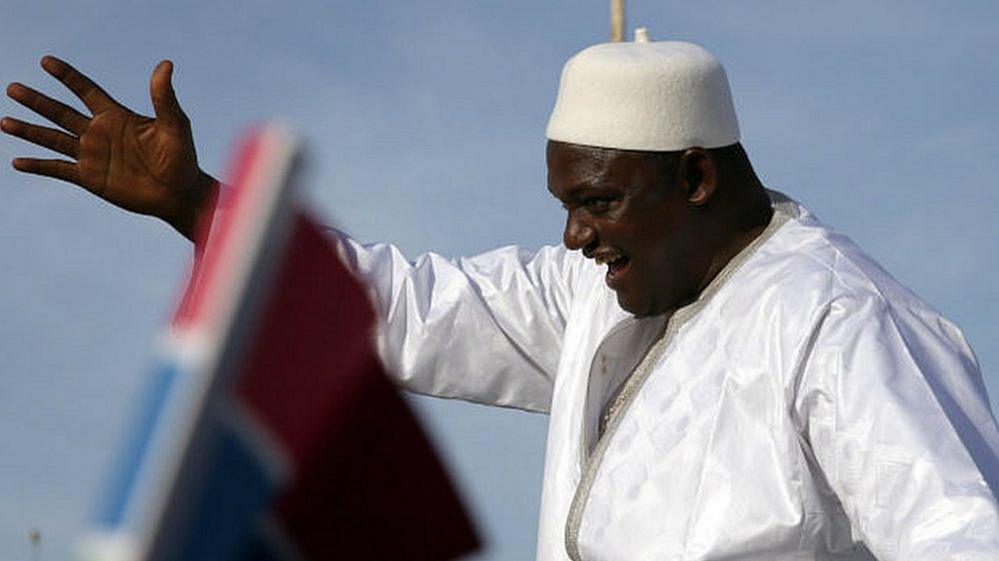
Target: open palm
(142, 164)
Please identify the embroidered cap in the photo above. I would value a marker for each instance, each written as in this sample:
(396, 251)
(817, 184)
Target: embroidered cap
(659, 96)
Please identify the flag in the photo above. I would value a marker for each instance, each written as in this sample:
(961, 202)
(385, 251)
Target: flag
(270, 430)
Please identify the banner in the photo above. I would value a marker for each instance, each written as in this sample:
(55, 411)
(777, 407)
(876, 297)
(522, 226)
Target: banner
(270, 430)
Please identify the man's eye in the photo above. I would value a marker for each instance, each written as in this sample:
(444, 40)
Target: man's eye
(598, 203)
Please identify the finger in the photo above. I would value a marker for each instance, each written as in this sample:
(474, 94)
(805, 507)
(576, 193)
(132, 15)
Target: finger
(43, 136)
(59, 113)
(165, 104)
(59, 169)
(89, 93)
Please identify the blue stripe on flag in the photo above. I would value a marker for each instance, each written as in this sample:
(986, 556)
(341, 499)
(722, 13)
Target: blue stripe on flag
(257, 548)
(235, 494)
(112, 511)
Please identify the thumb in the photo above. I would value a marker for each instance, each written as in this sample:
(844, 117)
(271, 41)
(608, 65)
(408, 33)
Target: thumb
(165, 103)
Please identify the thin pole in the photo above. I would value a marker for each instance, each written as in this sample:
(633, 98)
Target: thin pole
(35, 537)
(617, 21)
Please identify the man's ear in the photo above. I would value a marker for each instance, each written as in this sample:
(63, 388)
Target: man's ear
(699, 176)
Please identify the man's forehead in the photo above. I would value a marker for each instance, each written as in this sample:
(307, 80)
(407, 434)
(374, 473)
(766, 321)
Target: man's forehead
(572, 167)
(575, 170)
(564, 157)
(575, 166)
(585, 155)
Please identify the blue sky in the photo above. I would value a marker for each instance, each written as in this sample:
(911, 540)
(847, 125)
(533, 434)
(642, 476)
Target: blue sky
(425, 123)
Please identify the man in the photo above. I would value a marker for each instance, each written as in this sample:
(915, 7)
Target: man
(740, 382)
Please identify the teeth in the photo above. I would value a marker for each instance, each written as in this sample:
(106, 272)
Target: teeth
(608, 258)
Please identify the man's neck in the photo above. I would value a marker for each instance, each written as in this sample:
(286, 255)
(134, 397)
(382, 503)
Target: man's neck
(744, 222)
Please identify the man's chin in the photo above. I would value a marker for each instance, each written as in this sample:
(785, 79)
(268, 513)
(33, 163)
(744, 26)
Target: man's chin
(641, 308)
(636, 308)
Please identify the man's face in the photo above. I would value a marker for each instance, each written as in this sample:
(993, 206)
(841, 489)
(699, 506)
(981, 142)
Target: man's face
(626, 210)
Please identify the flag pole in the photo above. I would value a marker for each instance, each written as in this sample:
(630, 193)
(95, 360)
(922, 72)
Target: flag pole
(35, 537)
(617, 20)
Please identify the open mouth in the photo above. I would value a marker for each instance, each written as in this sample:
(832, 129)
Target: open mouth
(617, 266)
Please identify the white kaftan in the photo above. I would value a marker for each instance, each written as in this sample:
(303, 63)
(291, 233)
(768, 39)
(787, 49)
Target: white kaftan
(805, 407)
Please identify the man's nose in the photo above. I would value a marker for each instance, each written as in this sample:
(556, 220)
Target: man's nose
(578, 234)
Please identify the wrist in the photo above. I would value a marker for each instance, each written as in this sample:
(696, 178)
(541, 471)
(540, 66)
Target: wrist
(199, 206)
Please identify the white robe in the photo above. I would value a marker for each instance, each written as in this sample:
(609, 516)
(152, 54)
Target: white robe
(806, 406)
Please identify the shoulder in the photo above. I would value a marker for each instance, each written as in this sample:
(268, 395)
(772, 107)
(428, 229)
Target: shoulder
(812, 279)
(853, 299)
(807, 255)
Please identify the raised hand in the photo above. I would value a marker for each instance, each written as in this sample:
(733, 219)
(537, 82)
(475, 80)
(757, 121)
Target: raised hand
(142, 164)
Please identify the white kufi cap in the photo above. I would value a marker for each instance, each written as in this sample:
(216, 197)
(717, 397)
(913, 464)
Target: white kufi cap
(660, 96)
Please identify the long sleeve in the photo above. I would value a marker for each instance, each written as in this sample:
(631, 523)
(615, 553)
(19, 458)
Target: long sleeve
(891, 403)
(486, 329)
